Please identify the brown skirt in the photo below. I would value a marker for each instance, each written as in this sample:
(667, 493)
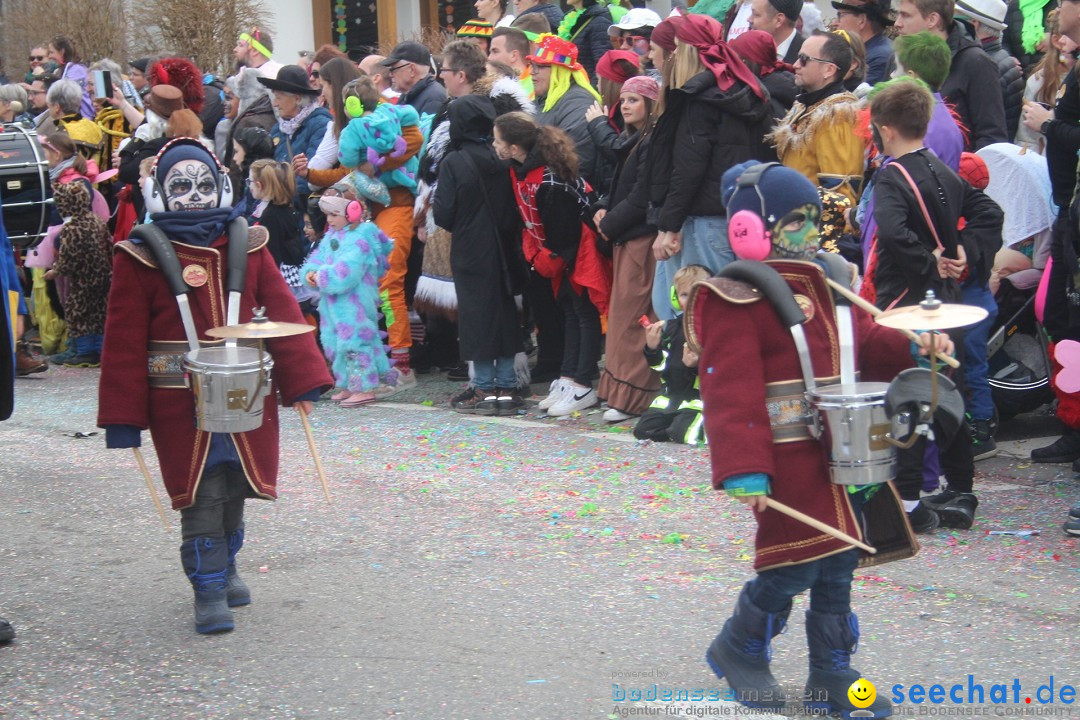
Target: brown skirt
(628, 383)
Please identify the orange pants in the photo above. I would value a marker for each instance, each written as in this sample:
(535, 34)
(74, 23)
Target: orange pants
(397, 223)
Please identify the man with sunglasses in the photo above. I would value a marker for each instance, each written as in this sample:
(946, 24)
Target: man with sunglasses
(818, 136)
(409, 68)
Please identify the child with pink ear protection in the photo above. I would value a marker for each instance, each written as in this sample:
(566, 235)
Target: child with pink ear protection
(346, 267)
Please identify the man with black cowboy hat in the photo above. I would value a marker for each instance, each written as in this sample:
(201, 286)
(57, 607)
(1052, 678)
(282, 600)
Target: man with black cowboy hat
(778, 18)
(868, 19)
(409, 67)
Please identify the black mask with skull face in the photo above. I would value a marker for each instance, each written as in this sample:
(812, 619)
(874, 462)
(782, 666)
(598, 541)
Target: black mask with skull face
(190, 185)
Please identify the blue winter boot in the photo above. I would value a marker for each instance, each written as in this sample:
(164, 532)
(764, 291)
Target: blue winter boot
(236, 590)
(205, 560)
(741, 653)
(832, 640)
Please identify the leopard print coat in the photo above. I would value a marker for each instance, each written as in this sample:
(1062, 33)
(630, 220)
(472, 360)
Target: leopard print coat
(84, 258)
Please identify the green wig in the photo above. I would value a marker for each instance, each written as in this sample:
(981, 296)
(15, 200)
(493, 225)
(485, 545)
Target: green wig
(926, 55)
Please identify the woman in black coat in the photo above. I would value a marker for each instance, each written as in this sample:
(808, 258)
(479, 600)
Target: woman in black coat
(628, 383)
(474, 201)
(715, 115)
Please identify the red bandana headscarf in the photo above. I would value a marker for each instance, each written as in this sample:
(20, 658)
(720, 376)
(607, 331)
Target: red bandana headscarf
(707, 35)
(758, 47)
(609, 70)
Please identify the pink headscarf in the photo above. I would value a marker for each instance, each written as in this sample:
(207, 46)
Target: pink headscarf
(707, 35)
(759, 47)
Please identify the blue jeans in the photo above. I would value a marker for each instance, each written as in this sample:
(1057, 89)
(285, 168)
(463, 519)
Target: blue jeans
(489, 374)
(704, 242)
(828, 579)
(976, 366)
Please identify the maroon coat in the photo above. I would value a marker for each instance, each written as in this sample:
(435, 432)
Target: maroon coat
(746, 351)
(143, 311)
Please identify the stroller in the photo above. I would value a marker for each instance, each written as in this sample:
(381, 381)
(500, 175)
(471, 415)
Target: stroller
(1018, 349)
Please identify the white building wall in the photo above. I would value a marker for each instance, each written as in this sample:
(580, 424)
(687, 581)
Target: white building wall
(293, 28)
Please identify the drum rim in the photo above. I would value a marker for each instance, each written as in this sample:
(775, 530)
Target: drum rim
(191, 358)
(42, 165)
(829, 392)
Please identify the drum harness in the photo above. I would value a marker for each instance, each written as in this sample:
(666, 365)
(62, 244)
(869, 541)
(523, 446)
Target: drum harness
(779, 294)
(163, 251)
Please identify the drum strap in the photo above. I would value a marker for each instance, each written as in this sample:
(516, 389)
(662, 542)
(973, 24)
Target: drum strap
(165, 255)
(779, 294)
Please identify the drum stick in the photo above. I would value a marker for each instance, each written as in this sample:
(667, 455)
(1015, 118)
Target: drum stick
(818, 525)
(314, 453)
(150, 486)
(856, 300)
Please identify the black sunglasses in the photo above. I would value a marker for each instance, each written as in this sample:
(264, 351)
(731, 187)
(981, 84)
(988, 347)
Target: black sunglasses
(806, 60)
(36, 57)
(315, 74)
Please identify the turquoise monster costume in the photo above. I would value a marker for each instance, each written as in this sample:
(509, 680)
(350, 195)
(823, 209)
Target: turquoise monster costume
(347, 265)
(372, 136)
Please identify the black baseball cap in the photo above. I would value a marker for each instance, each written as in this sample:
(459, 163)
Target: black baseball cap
(412, 52)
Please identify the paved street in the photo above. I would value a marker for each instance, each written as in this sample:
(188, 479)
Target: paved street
(475, 569)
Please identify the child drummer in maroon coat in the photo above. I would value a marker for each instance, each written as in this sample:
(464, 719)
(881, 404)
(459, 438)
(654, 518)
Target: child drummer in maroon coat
(754, 407)
(208, 475)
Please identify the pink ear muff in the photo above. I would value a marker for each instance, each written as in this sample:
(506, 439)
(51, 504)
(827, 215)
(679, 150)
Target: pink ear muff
(354, 212)
(748, 237)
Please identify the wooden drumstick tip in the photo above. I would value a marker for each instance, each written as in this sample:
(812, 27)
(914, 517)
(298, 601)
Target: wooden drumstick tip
(314, 452)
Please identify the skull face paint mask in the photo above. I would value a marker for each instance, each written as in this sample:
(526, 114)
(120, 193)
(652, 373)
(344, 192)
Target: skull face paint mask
(190, 185)
(795, 237)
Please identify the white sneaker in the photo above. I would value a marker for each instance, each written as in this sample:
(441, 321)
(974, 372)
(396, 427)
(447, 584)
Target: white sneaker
(576, 398)
(616, 416)
(555, 393)
(405, 381)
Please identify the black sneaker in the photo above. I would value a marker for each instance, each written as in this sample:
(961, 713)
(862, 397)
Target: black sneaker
(957, 509)
(509, 401)
(459, 372)
(982, 440)
(1065, 449)
(84, 361)
(1072, 526)
(474, 401)
(923, 519)
(1074, 512)
(7, 633)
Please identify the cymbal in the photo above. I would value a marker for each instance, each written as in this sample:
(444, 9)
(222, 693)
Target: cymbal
(933, 316)
(258, 328)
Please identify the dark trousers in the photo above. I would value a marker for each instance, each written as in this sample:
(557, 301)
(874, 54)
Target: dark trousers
(548, 317)
(667, 425)
(219, 504)
(584, 337)
(956, 458)
(828, 580)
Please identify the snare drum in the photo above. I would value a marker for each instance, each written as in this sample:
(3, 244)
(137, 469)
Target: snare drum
(230, 384)
(24, 185)
(854, 427)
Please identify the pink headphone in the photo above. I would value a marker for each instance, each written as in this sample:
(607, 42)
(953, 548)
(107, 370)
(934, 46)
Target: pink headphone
(354, 212)
(747, 234)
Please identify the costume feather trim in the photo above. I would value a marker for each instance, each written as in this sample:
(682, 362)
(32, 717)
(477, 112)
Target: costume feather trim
(799, 126)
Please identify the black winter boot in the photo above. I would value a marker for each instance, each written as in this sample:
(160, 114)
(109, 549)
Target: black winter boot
(957, 509)
(832, 640)
(205, 561)
(741, 653)
(236, 590)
